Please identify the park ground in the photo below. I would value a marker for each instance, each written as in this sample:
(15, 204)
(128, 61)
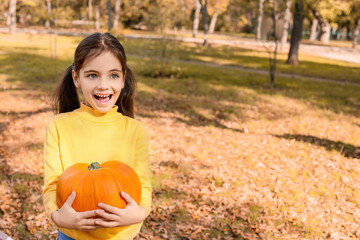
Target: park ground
(230, 158)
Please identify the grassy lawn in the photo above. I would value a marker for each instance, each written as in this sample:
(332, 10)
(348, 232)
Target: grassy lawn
(230, 159)
(310, 65)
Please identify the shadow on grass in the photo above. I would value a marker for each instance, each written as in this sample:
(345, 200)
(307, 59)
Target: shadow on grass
(31, 71)
(345, 149)
(220, 90)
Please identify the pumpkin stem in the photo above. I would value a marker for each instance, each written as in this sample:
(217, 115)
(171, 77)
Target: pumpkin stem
(94, 166)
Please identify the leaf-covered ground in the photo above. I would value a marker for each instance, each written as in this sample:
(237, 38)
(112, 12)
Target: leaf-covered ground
(229, 158)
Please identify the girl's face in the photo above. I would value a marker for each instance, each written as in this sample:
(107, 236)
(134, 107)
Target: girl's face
(101, 80)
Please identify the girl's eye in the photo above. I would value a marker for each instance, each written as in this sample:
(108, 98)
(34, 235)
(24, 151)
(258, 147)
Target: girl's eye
(92, 76)
(114, 76)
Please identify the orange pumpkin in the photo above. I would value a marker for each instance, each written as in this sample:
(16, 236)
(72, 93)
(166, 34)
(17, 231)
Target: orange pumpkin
(98, 183)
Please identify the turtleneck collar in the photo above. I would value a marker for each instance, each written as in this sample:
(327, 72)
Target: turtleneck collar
(90, 114)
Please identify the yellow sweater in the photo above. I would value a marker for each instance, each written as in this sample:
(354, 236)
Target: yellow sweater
(85, 136)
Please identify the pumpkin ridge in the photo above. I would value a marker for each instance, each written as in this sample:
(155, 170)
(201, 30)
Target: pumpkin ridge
(111, 172)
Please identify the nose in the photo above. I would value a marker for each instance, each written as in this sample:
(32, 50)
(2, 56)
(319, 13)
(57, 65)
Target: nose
(103, 83)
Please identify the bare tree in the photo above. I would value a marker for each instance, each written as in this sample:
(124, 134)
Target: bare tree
(286, 24)
(274, 12)
(260, 19)
(116, 16)
(11, 20)
(196, 17)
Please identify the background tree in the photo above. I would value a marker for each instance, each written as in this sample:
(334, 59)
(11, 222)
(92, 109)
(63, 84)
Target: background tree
(355, 20)
(216, 7)
(205, 19)
(325, 12)
(109, 10)
(287, 16)
(11, 19)
(196, 17)
(48, 14)
(298, 20)
(260, 20)
(116, 15)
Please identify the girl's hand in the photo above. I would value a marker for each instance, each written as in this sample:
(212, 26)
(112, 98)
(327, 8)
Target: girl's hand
(116, 217)
(67, 217)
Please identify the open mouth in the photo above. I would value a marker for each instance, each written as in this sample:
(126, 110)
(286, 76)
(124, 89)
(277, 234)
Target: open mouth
(103, 98)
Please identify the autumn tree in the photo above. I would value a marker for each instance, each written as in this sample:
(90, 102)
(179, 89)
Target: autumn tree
(325, 12)
(355, 20)
(215, 8)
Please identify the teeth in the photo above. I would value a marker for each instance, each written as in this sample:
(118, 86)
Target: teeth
(103, 96)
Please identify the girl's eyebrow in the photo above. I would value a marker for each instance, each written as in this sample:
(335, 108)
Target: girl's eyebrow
(112, 70)
(115, 70)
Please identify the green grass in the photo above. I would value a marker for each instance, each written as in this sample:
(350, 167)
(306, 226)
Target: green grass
(309, 65)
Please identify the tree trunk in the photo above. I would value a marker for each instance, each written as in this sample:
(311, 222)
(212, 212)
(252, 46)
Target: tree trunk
(55, 27)
(110, 22)
(356, 33)
(286, 25)
(183, 11)
(12, 16)
(324, 27)
(325, 32)
(196, 18)
(213, 21)
(97, 16)
(48, 10)
(314, 25)
(90, 9)
(205, 22)
(260, 17)
(116, 16)
(296, 33)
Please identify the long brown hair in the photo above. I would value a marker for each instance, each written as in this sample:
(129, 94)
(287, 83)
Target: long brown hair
(65, 97)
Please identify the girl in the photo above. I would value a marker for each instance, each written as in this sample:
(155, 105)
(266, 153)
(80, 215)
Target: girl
(99, 129)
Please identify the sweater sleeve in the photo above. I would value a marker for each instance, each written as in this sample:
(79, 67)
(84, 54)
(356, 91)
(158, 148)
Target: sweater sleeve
(141, 167)
(52, 167)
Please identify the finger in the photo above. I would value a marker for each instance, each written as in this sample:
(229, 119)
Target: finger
(106, 216)
(106, 224)
(127, 197)
(69, 201)
(91, 222)
(109, 208)
(88, 214)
